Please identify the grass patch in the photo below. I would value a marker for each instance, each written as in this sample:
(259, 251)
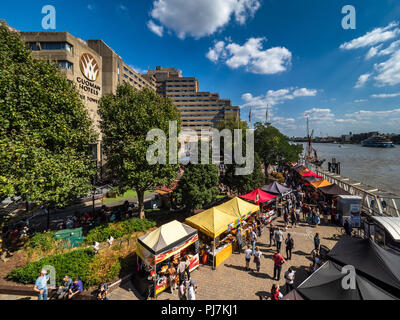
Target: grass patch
(126, 196)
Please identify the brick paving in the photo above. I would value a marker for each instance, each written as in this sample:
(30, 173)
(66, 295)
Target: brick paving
(230, 281)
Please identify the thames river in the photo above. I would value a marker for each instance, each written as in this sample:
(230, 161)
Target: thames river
(378, 167)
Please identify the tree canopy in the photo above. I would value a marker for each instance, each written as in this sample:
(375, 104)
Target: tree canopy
(198, 186)
(126, 119)
(45, 130)
(274, 147)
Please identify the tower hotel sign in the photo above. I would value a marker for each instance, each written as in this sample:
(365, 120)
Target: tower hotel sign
(90, 70)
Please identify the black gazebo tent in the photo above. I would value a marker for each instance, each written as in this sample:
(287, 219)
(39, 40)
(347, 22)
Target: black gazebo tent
(380, 266)
(276, 188)
(333, 190)
(326, 284)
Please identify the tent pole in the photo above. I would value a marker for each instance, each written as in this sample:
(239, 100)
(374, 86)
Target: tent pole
(214, 254)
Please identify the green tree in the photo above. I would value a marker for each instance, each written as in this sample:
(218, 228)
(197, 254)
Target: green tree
(198, 186)
(243, 184)
(126, 119)
(274, 147)
(45, 130)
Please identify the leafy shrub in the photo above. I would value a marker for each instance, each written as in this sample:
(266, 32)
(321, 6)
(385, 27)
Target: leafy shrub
(75, 263)
(105, 268)
(118, 229)
(42, 241)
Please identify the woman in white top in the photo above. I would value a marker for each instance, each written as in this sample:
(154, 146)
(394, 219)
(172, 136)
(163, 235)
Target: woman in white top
(257, 258)
(248, 252)
(191, 291)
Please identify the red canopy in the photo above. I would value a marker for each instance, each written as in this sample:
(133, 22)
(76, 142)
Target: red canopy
(311, 174)
(258, 196)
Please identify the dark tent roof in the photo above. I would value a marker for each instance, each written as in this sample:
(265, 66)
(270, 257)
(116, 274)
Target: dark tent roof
(276, 188)
(333, 190)
(370, 260)
(293, 295)
(326, 284)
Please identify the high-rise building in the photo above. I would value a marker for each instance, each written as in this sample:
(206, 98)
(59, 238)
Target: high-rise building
(91, 65)
(199, 110)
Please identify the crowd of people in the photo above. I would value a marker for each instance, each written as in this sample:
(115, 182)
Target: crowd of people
(179, 280)
(304, 206)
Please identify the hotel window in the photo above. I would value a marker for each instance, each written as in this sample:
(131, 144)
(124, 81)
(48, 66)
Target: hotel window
(56, 46)
(33, 46)
(65, 65)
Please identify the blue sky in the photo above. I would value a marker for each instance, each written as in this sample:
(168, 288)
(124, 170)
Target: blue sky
(289, 54)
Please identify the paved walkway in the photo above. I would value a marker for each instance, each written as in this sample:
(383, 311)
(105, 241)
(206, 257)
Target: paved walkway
(230, 281)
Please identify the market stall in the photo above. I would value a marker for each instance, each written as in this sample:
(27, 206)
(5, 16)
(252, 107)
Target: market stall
(218, 227)
(320, 184)
(163, 247)
(258, 196)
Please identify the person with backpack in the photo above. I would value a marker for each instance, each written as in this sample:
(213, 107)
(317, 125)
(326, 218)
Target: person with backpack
(289, 242)
(257, 259)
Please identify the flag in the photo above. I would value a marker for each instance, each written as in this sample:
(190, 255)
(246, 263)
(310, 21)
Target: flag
(250, 115)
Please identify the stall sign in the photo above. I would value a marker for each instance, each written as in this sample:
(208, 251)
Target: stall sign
(161, 257)
(146, 256)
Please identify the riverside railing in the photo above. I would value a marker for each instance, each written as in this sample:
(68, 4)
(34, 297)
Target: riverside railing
(375, 201)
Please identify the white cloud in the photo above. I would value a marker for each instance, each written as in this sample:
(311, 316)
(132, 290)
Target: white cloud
(90, 7)
(372, 52)
(158, 30)
(360, 100)
(139, 70)
(375, 36)
(385, 95)
(215, 53)
(362, 79)
(369, 114)
(251, 56)
(274, 97)
(319, 115)
(201, 18)
(388, 72)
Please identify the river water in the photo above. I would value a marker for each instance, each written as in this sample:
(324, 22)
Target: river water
(377, 167)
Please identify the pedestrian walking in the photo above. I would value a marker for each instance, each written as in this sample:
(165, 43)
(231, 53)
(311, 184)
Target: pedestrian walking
(278, 238)
(293, 218)
(239, 240)
(257, 258)
(192, 290)
(182, 291)
(275, 293)
(289, 276)
(286, 219)
(248, 253)
(271, 235)
(316, 241)
(172, 278)
(253, 238)
(41, 285)
(181, 270)
(289, 242)
(278, 262)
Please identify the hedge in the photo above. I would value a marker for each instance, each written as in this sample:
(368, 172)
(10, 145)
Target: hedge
(75, 264)
(118, 229)
(42, 241)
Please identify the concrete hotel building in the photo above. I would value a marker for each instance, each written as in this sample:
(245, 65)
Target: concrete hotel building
(92, 66)
(199, 110)
(97, 70)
